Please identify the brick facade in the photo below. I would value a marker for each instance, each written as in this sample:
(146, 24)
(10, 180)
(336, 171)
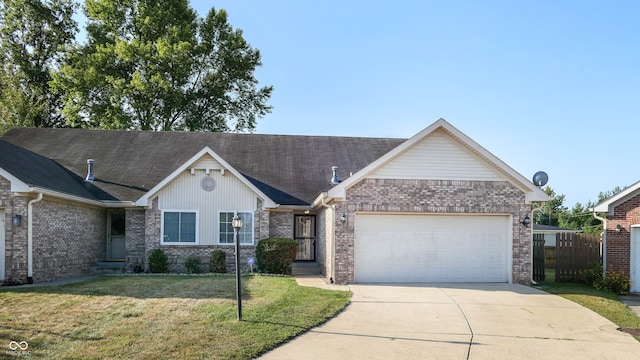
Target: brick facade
(281, 224)
(433, 196)
(618, 250)
(134, 240)
(68, 238)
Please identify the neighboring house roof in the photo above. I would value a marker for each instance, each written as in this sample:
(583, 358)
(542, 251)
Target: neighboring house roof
(532, 192)
(611, 203)
(29, 170)
(291, 170)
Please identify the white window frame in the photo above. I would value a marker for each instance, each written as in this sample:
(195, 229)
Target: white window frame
(240, 212)
(197, 235)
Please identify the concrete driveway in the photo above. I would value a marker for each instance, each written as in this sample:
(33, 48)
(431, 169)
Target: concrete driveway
(460, 321)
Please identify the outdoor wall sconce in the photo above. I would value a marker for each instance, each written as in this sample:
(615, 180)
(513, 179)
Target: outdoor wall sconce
(17, 220)
(618, 228)
(343, 218)
(526, 221)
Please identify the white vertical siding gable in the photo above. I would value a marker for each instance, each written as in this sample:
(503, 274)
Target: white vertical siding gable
(438, 157)
(229, 193)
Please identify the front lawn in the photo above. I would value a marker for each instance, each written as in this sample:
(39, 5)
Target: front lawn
(605, 303)
(161, 317)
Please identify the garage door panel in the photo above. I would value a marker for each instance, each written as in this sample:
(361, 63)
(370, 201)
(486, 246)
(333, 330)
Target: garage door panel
(431, 248)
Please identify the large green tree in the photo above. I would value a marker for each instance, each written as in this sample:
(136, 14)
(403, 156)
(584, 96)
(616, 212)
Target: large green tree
(156, 65)
(34, 36)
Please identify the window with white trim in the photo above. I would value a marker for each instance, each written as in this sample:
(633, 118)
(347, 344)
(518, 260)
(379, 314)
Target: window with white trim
(179, 227)
(227, 232)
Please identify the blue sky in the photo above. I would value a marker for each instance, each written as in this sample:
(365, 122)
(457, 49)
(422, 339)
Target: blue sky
(543, 85)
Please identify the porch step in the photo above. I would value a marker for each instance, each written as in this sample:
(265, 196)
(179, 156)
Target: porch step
(305, 268)
(108, 267)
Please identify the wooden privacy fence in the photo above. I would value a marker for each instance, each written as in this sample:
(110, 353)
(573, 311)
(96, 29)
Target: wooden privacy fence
(538, 257)
(574, 252)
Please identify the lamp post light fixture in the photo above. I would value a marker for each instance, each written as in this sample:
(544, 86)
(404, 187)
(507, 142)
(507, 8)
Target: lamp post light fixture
(236, 222)
(526, 221)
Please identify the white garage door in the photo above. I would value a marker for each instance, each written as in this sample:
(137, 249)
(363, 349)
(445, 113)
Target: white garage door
(432, 248)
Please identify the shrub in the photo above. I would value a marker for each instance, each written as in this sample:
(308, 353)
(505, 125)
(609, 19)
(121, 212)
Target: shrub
(276, 255)
(218, 261)
(193, 265)
(158, 261)
(592, 274)
(614, 281)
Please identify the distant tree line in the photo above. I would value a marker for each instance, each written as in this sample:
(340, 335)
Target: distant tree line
(579, 217)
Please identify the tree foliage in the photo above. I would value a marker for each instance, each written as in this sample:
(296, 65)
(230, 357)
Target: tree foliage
(156, 65)
(550, 213)
(34, 36)
(580, 217)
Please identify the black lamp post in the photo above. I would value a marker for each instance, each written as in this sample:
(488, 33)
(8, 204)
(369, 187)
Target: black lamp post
(236, 222)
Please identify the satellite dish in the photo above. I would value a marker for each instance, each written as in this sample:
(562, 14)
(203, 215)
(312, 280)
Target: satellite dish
(540, 178)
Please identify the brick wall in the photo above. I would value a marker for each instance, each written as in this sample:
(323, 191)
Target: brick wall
(618, 250)
(15, 236)
(68, 239)
(433, 196)
(322, 250)
(281, 224)
(134, 239)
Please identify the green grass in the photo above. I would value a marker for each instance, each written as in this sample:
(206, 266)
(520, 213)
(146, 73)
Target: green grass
(162, 317)
(605, 303)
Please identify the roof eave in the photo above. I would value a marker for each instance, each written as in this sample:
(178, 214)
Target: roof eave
(609, 204)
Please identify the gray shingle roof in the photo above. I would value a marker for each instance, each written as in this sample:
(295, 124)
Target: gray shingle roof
(38, 171)
(292, 170)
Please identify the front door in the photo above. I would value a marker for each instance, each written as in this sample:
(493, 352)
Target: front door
(116, 237)
(304, 229)
(635, 259)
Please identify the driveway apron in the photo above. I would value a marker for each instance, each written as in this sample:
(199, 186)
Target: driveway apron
(460, 321)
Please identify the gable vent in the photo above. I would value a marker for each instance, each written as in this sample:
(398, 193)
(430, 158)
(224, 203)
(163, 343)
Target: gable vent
(334, 178)
(90, 176)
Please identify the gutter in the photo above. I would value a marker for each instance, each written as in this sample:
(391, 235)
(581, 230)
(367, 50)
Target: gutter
(604, 241)
(30, 237)
(74, 198)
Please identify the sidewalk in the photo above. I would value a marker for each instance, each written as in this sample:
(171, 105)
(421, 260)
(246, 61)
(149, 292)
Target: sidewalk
(632, 301)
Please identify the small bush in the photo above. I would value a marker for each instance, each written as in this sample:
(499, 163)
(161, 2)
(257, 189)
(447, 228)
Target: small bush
(592, 274)
(158, 261)
(614, 281)
(218, 261)
(193, 265)
(275, 255)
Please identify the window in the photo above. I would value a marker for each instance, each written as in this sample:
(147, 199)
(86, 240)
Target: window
(226, 230)
(179, 227)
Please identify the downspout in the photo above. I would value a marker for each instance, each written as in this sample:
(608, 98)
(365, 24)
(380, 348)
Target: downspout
(604, 242)
(30, 237)
(533, 220)
(332, 231)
